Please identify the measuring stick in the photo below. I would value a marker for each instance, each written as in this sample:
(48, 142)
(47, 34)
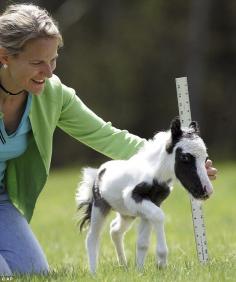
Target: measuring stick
(197, 213)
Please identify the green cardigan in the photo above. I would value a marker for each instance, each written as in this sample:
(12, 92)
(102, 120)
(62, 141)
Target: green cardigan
(58, 105)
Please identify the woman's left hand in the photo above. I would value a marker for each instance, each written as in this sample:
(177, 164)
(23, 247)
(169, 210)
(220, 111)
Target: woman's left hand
(211, 171)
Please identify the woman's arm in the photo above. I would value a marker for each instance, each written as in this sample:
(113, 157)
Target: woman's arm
(80, 122)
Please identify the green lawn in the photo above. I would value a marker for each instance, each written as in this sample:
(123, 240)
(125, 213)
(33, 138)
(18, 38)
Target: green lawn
(54, 223)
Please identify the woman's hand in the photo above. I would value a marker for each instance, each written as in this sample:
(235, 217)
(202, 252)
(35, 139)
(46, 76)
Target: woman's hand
(211, 171)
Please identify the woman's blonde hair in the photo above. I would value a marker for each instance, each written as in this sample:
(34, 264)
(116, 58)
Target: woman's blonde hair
(22, 22)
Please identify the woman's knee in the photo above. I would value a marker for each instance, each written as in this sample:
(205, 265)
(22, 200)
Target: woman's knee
(27, 264)
(4, 267)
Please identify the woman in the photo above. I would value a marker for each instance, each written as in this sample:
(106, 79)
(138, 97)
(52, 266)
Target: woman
(33, 102)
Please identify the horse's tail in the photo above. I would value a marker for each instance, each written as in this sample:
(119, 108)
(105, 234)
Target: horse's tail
(84, 195)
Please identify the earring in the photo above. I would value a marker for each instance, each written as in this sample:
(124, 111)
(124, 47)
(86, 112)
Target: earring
(5, 66)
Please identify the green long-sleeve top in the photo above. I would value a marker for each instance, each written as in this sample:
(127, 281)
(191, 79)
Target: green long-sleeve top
(58, 105)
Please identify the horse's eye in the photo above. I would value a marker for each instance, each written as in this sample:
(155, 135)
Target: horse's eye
(185, 158)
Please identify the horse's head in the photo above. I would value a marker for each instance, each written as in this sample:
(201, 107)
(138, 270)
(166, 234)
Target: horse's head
(190, 156)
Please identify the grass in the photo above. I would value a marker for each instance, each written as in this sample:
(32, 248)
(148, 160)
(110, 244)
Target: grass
(55, 226)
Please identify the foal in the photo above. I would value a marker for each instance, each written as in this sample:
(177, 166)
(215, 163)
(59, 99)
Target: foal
(137, 187)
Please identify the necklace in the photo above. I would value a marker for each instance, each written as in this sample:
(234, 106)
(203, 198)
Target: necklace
(10, 93)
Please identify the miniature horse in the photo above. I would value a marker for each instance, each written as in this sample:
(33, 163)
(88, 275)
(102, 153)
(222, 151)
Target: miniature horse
(137, 187)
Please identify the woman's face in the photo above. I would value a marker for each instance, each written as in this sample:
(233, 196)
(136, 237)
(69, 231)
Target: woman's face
(29, 69)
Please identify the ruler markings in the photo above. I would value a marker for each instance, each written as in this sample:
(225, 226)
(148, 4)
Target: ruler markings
(197, 213)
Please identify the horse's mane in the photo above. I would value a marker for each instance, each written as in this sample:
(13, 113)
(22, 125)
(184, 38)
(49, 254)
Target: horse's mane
(154, 145)
(159, 142)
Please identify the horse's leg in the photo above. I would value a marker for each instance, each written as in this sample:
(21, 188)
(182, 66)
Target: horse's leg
(144, 231)
(92, 240)
(156, 216)
(117, 229)
(162, 249)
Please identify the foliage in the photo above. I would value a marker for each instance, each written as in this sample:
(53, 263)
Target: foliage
(122, 58)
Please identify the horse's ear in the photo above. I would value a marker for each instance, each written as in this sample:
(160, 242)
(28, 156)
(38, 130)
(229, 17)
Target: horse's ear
(175, 128)
(176, 133)
(195, 127)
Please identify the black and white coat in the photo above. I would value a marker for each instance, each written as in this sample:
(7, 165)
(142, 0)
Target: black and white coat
(137, 187)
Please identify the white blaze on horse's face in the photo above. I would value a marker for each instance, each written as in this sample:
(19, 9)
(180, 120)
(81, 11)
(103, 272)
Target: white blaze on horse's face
(190, 158)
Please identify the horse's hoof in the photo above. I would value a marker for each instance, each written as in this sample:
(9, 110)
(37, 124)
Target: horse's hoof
(161, 265)
(140, 268)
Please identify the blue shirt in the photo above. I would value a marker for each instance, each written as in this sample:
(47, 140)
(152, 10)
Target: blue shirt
(14, 144)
